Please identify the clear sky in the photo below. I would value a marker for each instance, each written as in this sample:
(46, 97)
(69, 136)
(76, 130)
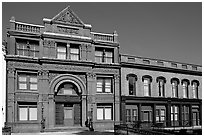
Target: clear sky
(169, 31)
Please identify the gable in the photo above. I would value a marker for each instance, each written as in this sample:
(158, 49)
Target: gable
(67, 16)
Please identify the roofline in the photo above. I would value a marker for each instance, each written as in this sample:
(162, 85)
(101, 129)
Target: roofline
(159, 59)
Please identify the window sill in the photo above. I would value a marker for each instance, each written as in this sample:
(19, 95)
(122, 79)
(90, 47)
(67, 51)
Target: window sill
(27, 122)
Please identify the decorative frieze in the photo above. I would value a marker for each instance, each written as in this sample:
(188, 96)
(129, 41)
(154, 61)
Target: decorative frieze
(91, 75)
(107, 70)
(49, 43)
(117, 77)
(67, 68)
(42, 72)
(26, 96)
(24, 65)
(67, 30)
(11, 70)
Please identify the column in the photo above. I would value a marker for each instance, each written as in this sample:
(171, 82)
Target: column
(10, 98)
(139, 112)
(168, 114)
(43, 88)
(84, 109)
(117, 99)
(200, 113)
(123, 111)
(154, 114)
(180, 115)
(190, 115)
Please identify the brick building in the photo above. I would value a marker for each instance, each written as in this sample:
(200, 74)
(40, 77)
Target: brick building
(62, 73)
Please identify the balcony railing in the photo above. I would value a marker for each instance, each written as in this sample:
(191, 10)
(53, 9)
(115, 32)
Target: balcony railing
(103, 37)
(25, 27)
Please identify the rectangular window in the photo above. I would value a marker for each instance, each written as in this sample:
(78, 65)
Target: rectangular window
(161, 88)
(61, 51)
(104, 85)
(104, 112)
(160, 115)
(128, 115)
(147, 116)
(185, 115)
(132, 86)
(174, 115)
(27, 47)
(27, 81)
(74, 52)
(103, 55)
(27, 112)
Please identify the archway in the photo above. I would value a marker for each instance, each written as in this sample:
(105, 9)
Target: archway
(67, 105)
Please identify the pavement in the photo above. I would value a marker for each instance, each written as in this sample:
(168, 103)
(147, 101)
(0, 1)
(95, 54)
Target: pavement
(71, 132)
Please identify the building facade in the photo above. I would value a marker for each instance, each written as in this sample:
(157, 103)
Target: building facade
(160, 93)
(62, 75)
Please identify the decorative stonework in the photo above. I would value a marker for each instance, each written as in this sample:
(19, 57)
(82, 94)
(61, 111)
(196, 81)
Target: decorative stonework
(49, 43)
(11, 70)
(106, 70)
(24, 65)
(52, 76)
(67, 68)
(43, 72)
(68, 17)
(68, 30)
(117, 77)
(91, 75)
(26, 96)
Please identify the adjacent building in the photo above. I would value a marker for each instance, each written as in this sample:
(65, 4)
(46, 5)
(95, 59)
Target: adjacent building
(63, 74)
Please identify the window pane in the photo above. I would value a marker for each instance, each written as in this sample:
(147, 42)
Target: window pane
(100, 113)
(33, 113)
(108, 86)
(172, 117)
(61, 56)
(33, 79)
(162, 113)
(74, 57)
(22, 86)
(99, 85)
(99, 53)
(176, 117)
(68, 113)
(107, 113)
(23, 113)
(61, 49)
(157, 118)
(22, 79)
(74, 50)
(109, 54)
(146, 90)
(33, 86)
(109, 60)
(68, 91)
(162, 118)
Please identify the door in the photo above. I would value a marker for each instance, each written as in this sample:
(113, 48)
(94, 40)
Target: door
(68, 115)
(59, 114)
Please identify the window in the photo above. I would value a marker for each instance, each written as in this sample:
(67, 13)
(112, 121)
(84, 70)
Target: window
(174, 83)
(104, 85)
(27, 112)
(27, 47)
(160, 115)
(195, 89)
(147, 115)
(104, 112)
(132, 83)
(66, 51)
(174, 115)
(27, 82)
(67, 89)
(131, 115)
(74, 53)
(103, 55)
(146, 87)
(161, 86)
(61, 51)
(185, 88)
(185, 115)
(128, 115)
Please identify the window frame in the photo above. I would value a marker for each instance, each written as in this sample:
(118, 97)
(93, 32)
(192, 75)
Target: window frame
(174, 89)
(28, 83)
(104, 79)
(29, 46)
(103, 58)
(28, 106)
(132, 77)
(104, 107)
(195, 90)
(148, 87)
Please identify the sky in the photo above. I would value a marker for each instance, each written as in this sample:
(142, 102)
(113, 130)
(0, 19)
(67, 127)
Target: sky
(162, 30)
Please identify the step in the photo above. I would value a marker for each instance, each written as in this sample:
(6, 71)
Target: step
(60, 129)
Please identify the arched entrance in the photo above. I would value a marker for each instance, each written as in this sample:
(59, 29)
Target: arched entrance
(67, 100)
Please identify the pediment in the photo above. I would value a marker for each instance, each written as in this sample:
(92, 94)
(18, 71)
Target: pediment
(67, 16)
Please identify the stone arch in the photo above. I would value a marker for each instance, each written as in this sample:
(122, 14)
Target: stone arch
(62, 78)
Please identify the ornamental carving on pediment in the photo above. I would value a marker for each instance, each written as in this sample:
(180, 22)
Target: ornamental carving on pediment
(68, 18)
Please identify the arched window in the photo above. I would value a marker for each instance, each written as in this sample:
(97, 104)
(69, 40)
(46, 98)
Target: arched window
(147, 85)
(195, 84)
(67, 88)
(161, 85)
(185, 84)
(132, 78)
(175, 83)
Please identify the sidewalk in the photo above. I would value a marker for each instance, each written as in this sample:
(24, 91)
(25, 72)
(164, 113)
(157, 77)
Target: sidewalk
(76, 132)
